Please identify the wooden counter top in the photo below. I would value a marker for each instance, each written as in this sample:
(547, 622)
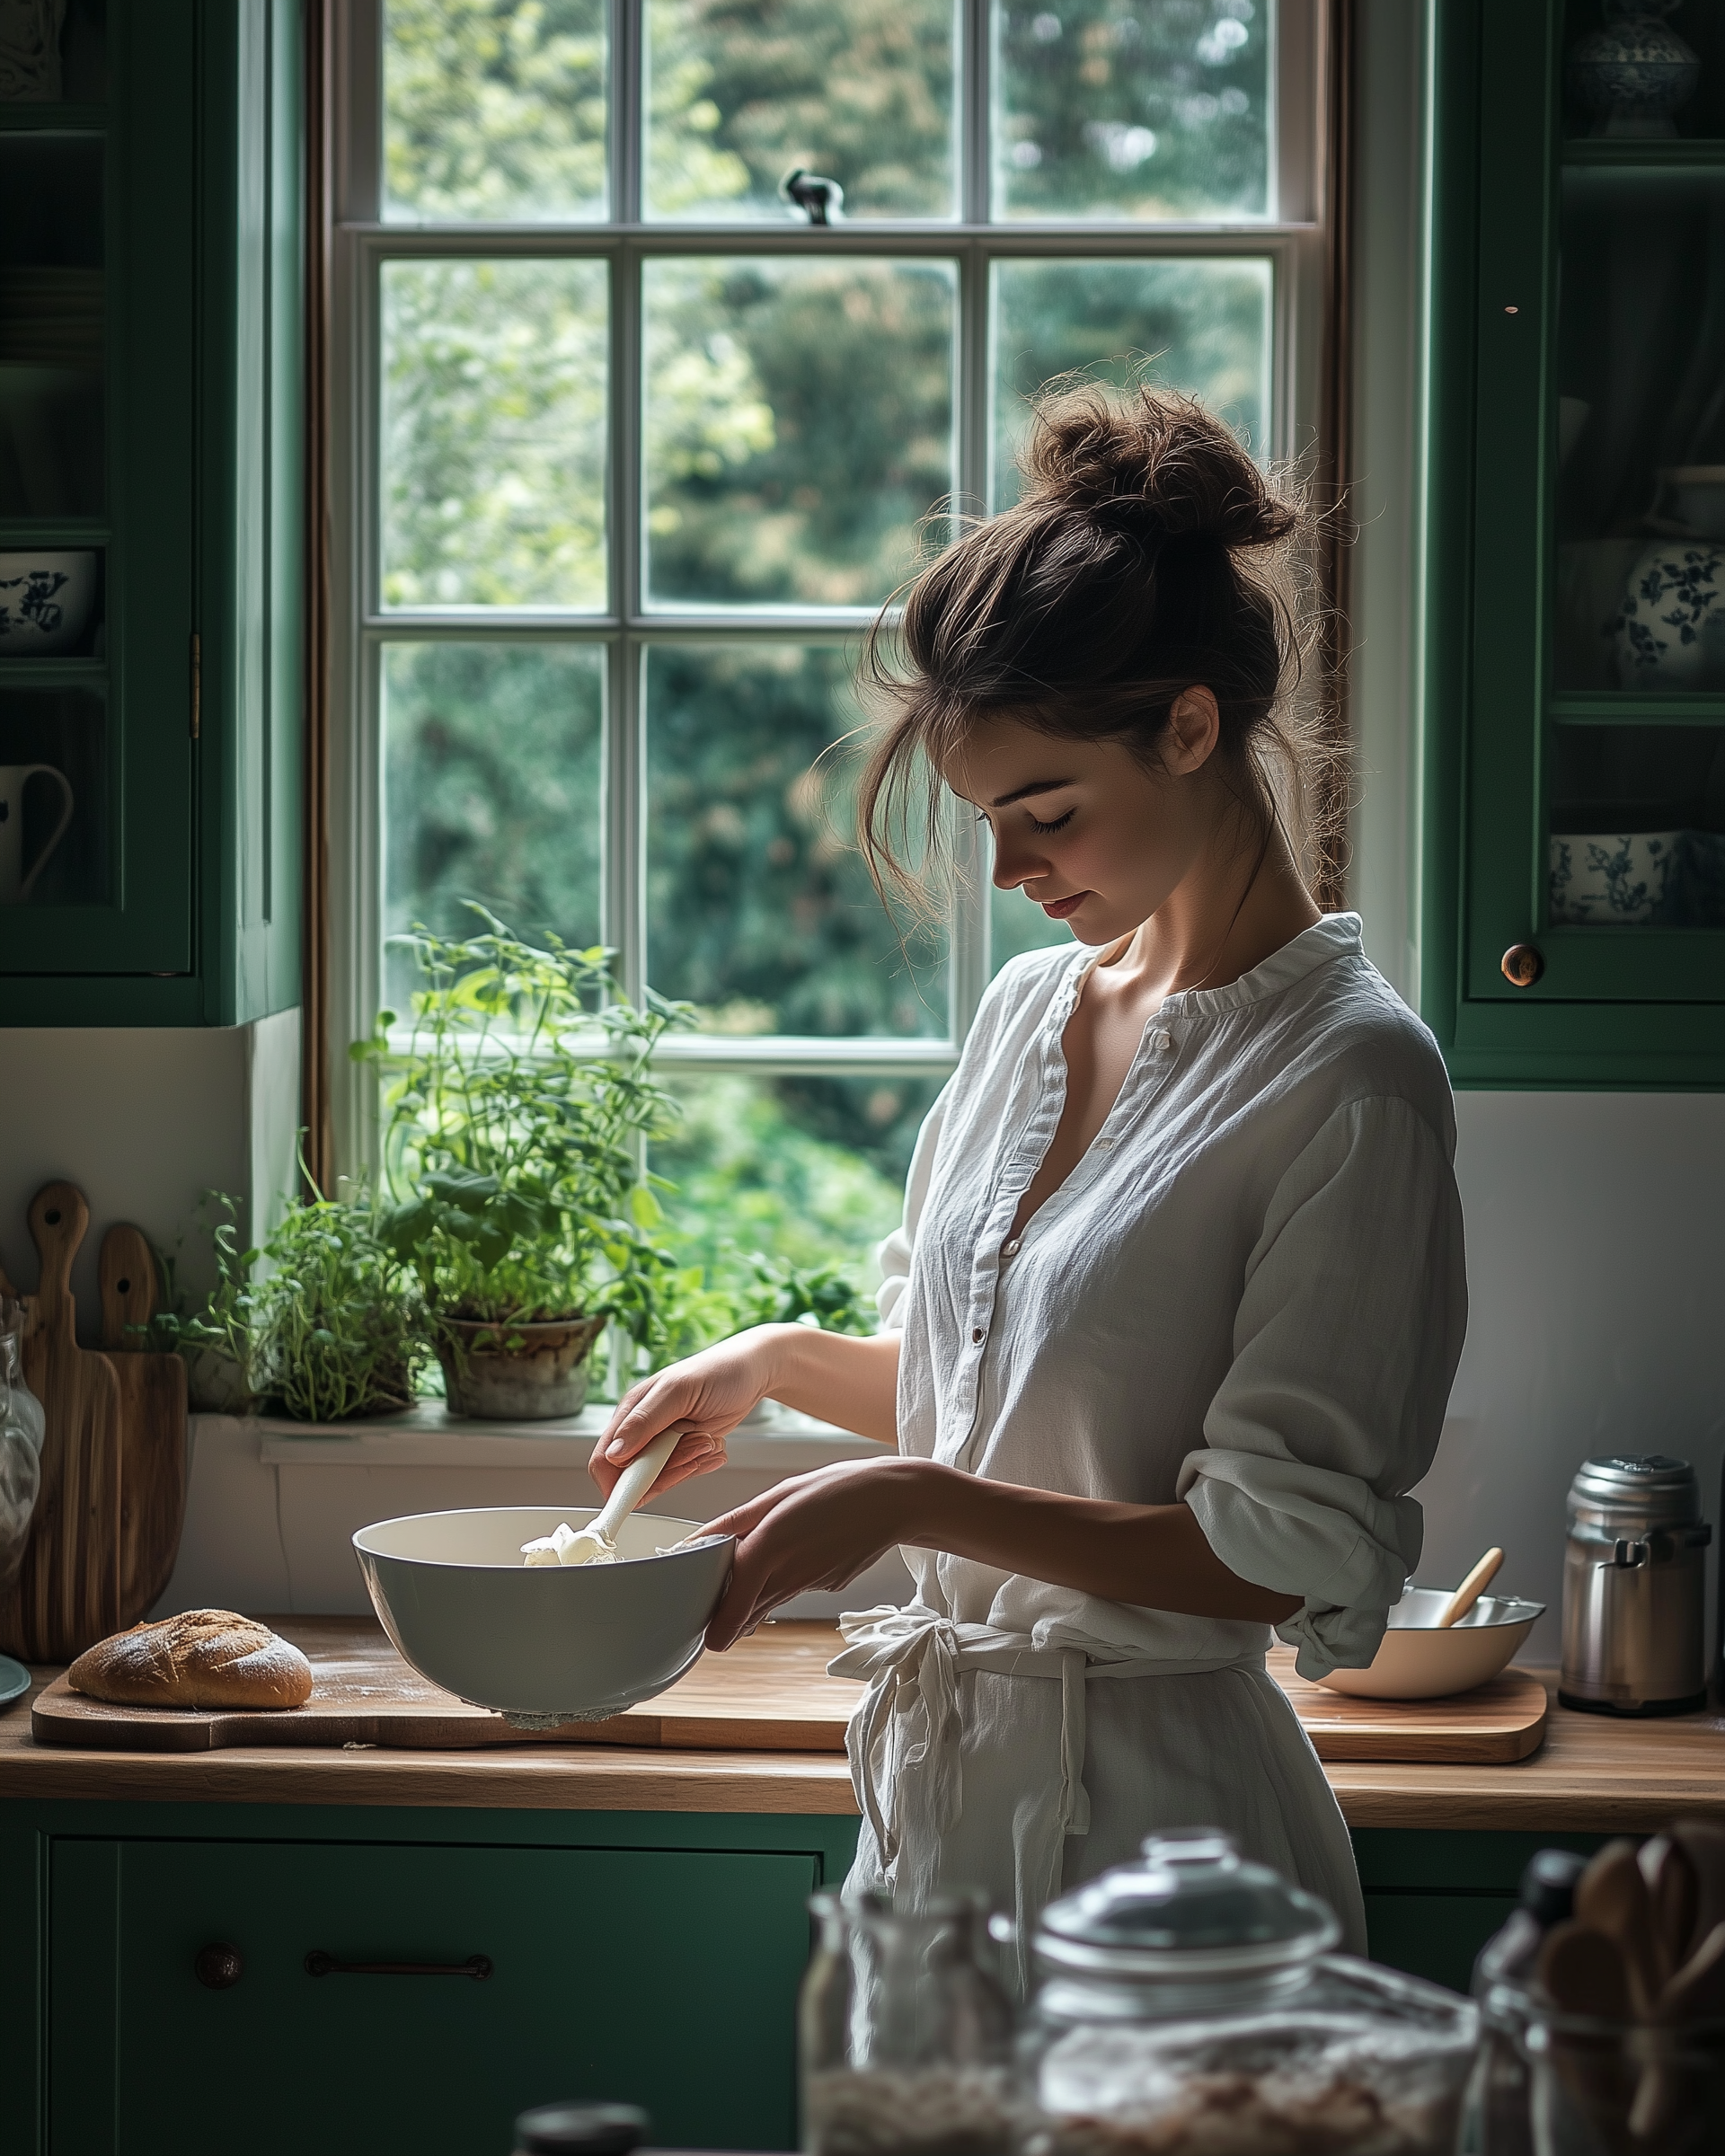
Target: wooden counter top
(1594, 1775)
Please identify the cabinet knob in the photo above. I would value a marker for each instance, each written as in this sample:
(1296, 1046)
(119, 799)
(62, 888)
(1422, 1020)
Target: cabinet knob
(218, 1966)
(1522, 965)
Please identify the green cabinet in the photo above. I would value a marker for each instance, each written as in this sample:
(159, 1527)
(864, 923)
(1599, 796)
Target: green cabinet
(151, 329)
(1574, 909)
(649, 1958)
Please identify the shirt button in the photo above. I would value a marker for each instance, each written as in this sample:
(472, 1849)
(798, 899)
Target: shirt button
(1010, 1249)
(1104, 1144)
(975, 1333)
(1164, 1041)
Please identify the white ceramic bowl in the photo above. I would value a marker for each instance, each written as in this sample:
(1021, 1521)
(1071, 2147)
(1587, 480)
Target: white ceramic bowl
(1417, 1662)
(574, 1642)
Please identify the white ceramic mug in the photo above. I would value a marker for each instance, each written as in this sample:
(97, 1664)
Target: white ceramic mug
(14, 884)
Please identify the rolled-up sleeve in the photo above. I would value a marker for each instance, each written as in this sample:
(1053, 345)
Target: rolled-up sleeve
(1345, 1347)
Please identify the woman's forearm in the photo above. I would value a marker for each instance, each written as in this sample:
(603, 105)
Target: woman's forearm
(838, 1378)
(1151, 1556)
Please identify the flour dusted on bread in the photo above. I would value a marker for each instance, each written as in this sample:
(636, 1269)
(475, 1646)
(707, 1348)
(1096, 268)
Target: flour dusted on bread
(201, 1658)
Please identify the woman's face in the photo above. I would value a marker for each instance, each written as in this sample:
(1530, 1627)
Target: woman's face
(1081, 828)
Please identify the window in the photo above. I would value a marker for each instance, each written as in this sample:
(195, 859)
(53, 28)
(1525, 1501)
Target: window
(635, 449)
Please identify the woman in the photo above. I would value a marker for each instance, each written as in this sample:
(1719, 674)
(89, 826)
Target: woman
(1172, 1322)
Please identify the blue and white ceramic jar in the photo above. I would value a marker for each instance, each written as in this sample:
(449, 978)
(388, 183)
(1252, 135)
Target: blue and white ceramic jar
(1631, 76)
(1613, 878)
(1670, 626)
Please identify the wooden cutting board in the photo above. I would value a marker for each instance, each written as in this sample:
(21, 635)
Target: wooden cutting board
(67, 1595)
(770, 1693)
(151, 1423)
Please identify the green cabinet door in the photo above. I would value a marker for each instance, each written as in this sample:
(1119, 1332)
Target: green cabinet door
(661, 1977)
(1576, 778)
(151, 481)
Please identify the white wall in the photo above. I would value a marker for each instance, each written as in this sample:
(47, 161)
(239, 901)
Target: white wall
(1596, 1252)
(143, 1119)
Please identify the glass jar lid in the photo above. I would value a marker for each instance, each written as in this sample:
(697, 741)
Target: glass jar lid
(1194, 1910)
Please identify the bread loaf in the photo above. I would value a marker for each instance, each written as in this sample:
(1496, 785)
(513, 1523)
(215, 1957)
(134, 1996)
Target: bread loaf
(202, 1658)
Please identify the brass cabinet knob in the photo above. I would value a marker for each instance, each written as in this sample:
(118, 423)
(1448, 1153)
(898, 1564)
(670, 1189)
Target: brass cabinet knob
(1522, 965)
(218, 1966)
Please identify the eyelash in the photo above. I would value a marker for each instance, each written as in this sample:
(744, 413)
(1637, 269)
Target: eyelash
(1059, 823)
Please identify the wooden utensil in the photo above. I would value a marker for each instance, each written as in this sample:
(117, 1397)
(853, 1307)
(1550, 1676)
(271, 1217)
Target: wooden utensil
(1702, 1841)
(151, 1423)
(1584, 1972)
(1611, 1896)
(1673, 1890)
(66, 1596)
(1477, 1581)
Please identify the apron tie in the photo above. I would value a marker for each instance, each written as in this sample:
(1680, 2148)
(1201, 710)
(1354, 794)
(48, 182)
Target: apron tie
(904, 1738)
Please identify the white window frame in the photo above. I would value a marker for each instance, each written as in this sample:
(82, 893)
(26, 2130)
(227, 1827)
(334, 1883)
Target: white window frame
(1291, 239)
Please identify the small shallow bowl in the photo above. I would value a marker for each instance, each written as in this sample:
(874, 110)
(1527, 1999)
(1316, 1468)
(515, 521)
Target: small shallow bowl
(1417, 1662)
(543, 1642)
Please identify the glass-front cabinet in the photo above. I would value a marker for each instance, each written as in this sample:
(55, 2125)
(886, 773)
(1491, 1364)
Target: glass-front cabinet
(1576, 606)
(144, 548)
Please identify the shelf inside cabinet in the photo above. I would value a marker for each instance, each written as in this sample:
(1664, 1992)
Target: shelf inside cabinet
(1625, 708)
(1676, 153)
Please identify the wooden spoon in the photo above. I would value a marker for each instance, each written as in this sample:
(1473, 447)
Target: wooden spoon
(1702, 1841)
(1477, 1581)
(1674, 1892)
(1611, 1896)
(1584, 1972)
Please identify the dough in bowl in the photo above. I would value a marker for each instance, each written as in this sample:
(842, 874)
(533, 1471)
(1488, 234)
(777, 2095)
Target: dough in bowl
(201, 1658)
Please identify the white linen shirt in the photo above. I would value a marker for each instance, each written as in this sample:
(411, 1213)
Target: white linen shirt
(1249, 1293)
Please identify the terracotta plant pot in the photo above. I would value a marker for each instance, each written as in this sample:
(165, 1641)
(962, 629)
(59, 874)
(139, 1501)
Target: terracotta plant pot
(516, 1373)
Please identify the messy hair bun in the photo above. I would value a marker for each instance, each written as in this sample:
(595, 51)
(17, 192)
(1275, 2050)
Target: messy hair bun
(1147, 555)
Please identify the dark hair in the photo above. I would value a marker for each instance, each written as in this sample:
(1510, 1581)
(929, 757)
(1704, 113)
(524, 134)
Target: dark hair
(1147, 555)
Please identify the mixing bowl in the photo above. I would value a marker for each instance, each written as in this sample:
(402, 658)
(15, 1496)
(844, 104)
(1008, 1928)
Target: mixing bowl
(1417, 1662)
(541, 1642)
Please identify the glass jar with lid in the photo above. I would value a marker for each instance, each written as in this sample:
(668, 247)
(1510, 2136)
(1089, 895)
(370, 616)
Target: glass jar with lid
(1192, 2003)
(905, 2036)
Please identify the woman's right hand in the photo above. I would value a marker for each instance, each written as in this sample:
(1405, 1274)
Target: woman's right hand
(708, 1393)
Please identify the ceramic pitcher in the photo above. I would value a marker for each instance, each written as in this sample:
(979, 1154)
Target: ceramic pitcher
(14, 883)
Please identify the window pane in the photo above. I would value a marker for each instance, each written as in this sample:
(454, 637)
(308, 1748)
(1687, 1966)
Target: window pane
(52, 307)
(491, 791)
(1637, 834)
(494, 434)
(741, 92)
(494, 109)
(759, 909)
(1145, 109)
(799, 424)
(1204, 324)
(807, 1170)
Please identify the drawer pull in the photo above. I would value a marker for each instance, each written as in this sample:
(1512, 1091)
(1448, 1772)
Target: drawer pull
(320, 1964)
(218, 1966)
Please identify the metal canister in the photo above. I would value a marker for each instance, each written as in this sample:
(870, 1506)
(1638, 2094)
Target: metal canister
(1634, 1588)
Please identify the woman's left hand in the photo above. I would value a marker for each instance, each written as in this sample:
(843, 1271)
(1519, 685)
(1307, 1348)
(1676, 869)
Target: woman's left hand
(814, 1532)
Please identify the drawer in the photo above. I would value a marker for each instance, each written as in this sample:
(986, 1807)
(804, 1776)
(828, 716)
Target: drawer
(662, 1977)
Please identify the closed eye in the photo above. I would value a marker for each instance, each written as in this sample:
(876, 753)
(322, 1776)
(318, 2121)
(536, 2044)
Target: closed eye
(1059, 823)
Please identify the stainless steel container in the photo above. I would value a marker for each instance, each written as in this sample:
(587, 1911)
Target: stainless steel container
(1634, 1588)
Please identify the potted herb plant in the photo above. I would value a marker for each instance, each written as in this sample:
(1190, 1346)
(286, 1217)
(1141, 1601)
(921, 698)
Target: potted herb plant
(319, 1322)
(515, 1113)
